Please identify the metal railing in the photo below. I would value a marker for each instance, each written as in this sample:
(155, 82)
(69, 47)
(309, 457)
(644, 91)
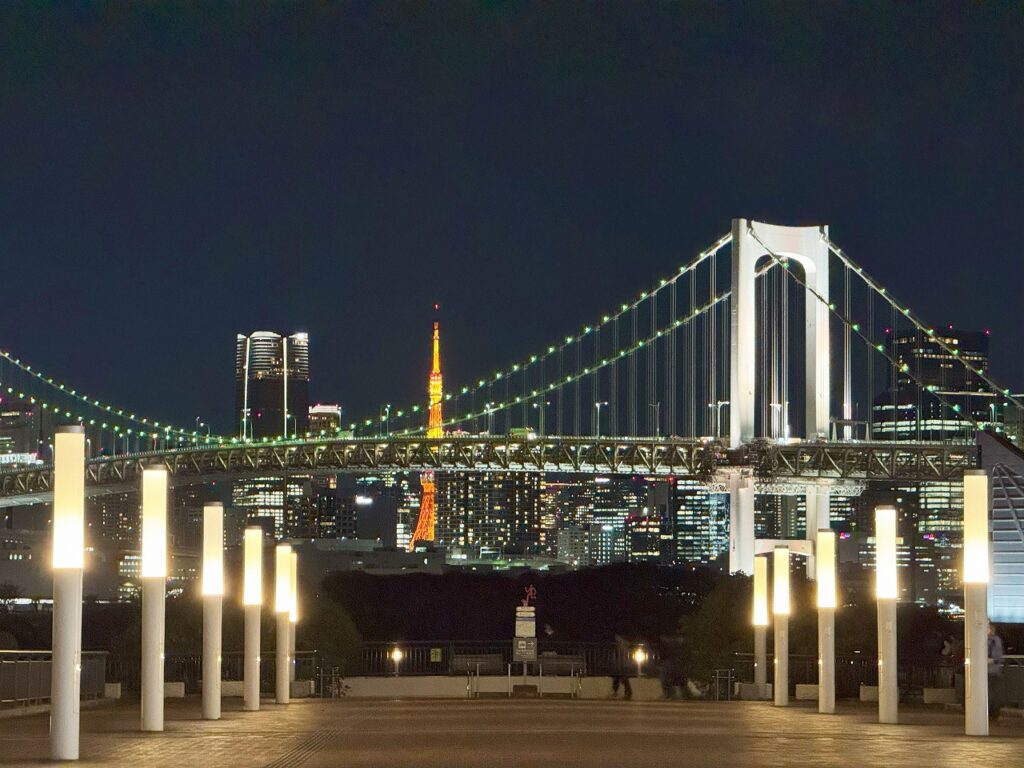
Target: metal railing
(25, 677)
(423, 657)
(187, 668)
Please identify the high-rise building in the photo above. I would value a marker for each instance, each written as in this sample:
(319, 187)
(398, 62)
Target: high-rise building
(19, 431)
(324, 419)
(273, 501)
(934, 394)
(700, 524)
(489, 513)
(272, 384)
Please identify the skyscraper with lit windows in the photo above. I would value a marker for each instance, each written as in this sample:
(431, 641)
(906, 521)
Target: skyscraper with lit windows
(271, 385)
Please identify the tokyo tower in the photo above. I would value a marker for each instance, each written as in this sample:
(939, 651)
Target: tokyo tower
(425, 524)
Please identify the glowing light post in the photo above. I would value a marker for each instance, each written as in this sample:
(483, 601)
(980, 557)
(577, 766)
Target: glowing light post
(213, 606)
(780, 609)
(68, 561)
(886, 592)
(154, 592)
(283, 609)
(293, 615)
(761, 623)
(825, 562)
(252, 598)
(640, 656)
(976, 576)
(396, 657)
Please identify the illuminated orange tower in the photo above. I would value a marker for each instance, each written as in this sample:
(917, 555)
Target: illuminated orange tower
(435, 390)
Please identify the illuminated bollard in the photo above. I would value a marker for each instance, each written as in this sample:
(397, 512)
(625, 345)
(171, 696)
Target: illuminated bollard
(886, 592)
(213, 606)
(976, 576)
(294, 614)
(282, 607)
(760, 623)
(252, 598)
(825, 566)
(154, 593)
(780, 610)
(68, 561)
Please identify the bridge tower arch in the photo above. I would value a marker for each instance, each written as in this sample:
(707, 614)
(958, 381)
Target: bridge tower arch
(751, 243)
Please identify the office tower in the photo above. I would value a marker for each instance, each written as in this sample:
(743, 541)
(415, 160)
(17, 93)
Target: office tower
(912, 407)
(324, 420)
(272, 385)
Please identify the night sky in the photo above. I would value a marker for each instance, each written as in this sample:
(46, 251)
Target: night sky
(172, 175)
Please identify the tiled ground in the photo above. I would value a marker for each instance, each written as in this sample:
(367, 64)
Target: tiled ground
(425, 734)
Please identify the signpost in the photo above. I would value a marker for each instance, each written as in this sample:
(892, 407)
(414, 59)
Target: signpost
(524, 645)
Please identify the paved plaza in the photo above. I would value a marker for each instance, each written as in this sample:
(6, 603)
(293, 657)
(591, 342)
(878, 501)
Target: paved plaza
(424, 734)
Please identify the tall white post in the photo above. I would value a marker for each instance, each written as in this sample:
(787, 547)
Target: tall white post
(213, 602)
(68, 562)
(806, 246)
(826, 572)
(761, 623)
(780, 611)
(817, 517)
(293, 616)
(154, 581)
(252, 600)
(282, 607)
(976, 576)
(887, 593)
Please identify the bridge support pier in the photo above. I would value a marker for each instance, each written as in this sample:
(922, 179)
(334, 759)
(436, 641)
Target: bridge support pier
(741, 524)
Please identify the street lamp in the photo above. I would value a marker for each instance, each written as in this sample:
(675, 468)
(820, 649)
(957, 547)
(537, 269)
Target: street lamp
(68, 562)
(541, 409)
(640, 657)
(385, 418)
(976, 577)
(781, 609)
(396, 657)
(760, 623)
(283, 609)
(717, 407)
(657, 418)
(213, 606)
(825, 576)
(252, 598)
(597, 420)
(887, 592)
(489, 410)
(294, 614)
(154, 590)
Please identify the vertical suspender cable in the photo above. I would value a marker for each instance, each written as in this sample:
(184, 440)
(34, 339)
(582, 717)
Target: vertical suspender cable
(613, 381)
(576, 373)
(847, 367)
(670, 380)
(691, 334)
(652, 370)
(632, 394)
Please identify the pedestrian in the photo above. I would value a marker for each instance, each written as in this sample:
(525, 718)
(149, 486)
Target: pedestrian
(995, 671)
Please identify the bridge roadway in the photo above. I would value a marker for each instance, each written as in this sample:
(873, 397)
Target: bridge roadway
(521, 733)
(705, 460)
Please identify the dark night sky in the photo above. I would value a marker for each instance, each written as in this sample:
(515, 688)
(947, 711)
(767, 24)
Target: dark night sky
(171, 175)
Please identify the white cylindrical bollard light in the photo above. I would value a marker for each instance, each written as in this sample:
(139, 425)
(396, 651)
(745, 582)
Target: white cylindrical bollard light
(68, 562)
(282, 607)
(780, 611)
(976, 577)
(293, 615)
(886, 593)
(825, 567)
(252, 599)
(213, 607)
(154, 583)
(760, 621)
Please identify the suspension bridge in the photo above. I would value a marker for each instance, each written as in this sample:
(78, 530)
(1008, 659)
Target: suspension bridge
(699, 376)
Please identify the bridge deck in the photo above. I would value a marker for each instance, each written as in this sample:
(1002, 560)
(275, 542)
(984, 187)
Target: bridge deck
(440, 734)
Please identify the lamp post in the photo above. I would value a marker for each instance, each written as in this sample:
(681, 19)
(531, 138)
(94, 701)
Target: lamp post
(396, 657)
(886, 591)
(489, 408)
(293, 615)
(385, 419)
(657, 418)
(68, 561)
(541, 410)
(154, 592)
(597, 418)
(640, 657)
(760, 623)
(976, 576)
(283, 609)
(213, 606)
(825, 562)
(717, 407)
(252, 599)
(780, 609)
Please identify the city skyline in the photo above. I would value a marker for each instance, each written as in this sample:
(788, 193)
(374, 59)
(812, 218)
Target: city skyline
(556, 187)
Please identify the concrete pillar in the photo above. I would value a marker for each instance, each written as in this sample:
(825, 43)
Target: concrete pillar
(887, 594)
(213, 607)
(760, 623)
(976, 577)
(826, 581)
(804, 245)
(253, 600)
(68, 559)
(282, 609)
(780, 611)
(291, 651)
(154, 595)
(741, 525)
